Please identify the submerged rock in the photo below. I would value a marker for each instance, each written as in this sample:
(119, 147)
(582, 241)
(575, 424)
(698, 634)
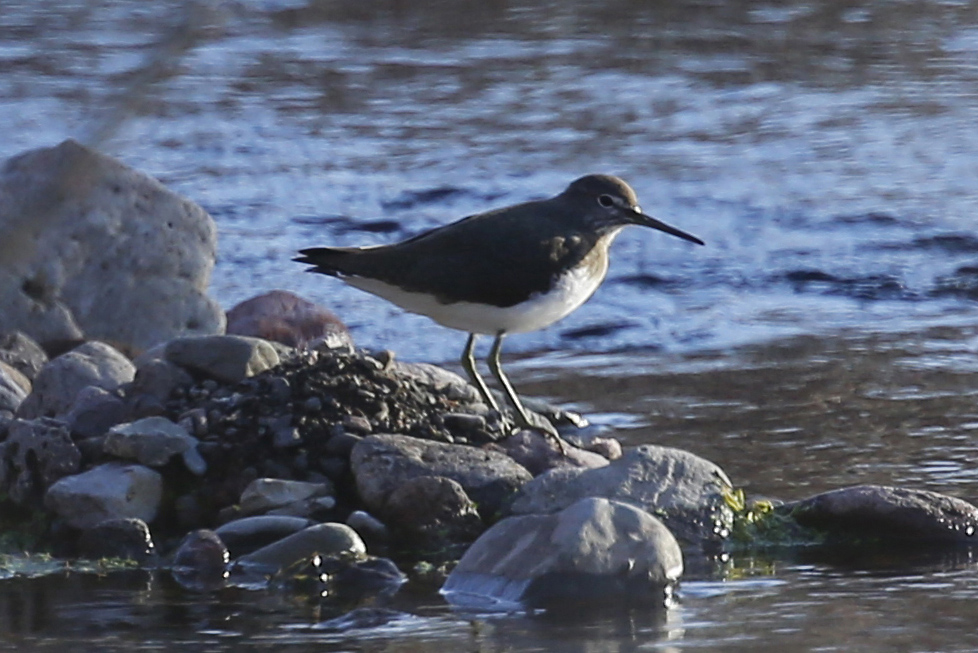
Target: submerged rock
(680, 488)
(200, 563)
(593, 552)
(885, 515)
(128, 539)
(90, 248)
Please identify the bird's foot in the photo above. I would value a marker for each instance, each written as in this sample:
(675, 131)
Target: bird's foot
(540, 423)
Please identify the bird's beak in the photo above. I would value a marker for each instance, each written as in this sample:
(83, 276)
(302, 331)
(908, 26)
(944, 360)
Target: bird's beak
(639, 218)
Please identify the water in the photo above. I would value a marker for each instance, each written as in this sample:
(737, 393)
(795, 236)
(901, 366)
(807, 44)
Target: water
(825, 336)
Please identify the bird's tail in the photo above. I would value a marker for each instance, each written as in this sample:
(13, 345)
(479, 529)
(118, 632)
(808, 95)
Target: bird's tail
(333, 261)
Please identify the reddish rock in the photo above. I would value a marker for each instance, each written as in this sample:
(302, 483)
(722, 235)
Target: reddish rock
(284, 317)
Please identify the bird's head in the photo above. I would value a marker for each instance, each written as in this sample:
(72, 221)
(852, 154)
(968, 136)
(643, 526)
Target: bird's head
(609, 203)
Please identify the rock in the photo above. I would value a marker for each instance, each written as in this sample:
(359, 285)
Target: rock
(593, 552)
(609, 448)
(35, 454)
(371, 529)
(200, 562)
(23, 354)
(153, 441)
(158, 378)
(538, 452)
(682, 489)
(285, 317)
(91, 248)
(439, 380)
(128, 539)
(434, 510)
(264, 494)
(58, 383)
(109, 491)
(887, 515)
(14, 387)
(94, 412)
(323, 539)
(228, 359)
(248, 534)
(382, 463)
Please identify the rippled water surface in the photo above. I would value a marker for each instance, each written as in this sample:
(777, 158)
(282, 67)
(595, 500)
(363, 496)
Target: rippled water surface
(826, 151)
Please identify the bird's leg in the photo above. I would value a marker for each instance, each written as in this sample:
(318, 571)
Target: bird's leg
(468, 364)
(523, 418)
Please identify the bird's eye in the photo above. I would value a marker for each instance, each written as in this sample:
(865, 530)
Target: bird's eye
(606, 201)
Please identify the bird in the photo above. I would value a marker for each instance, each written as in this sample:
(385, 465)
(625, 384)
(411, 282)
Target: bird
(514, 269)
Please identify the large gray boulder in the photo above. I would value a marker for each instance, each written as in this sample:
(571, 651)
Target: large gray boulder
(92, 249)
(679, 487)
(593, 552)
(60, 381)
(383, 463)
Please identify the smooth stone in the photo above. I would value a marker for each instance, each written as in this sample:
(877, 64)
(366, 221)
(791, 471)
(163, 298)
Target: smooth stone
(368, 527)
(382, 463)
(35, 454)
(229, 359)
(682, 489)
(58, 383)
(284, 317)
(264, 494)
(93, 249)
(109, 491)
(595, 551)
(127, 539)
(317, 508)
(14, 387)
(94, 412)
(887, 514)
(19, 351)
(325, 539)
(248, 534)
(151, 441)
(435, 510)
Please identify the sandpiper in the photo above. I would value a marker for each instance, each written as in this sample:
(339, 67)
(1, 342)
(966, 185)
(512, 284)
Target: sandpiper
(511, 270)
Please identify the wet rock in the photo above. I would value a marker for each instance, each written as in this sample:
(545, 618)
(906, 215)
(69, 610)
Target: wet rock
(14, 387)
(285, 317)
(109, 491)
(593, 552)
(201, 561)
(228, 359)
(21, 353)
(248, 534)
(94, 412)
(434, 510)
(323, 539)
(372, 530)
(153, 441)
(366, 619)
(128, 539)
(886, 515)
(265, 494)
(91, 248)
(682, 489)
(35, 454)
(538, 452)
(58, 383)
(382, 463)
